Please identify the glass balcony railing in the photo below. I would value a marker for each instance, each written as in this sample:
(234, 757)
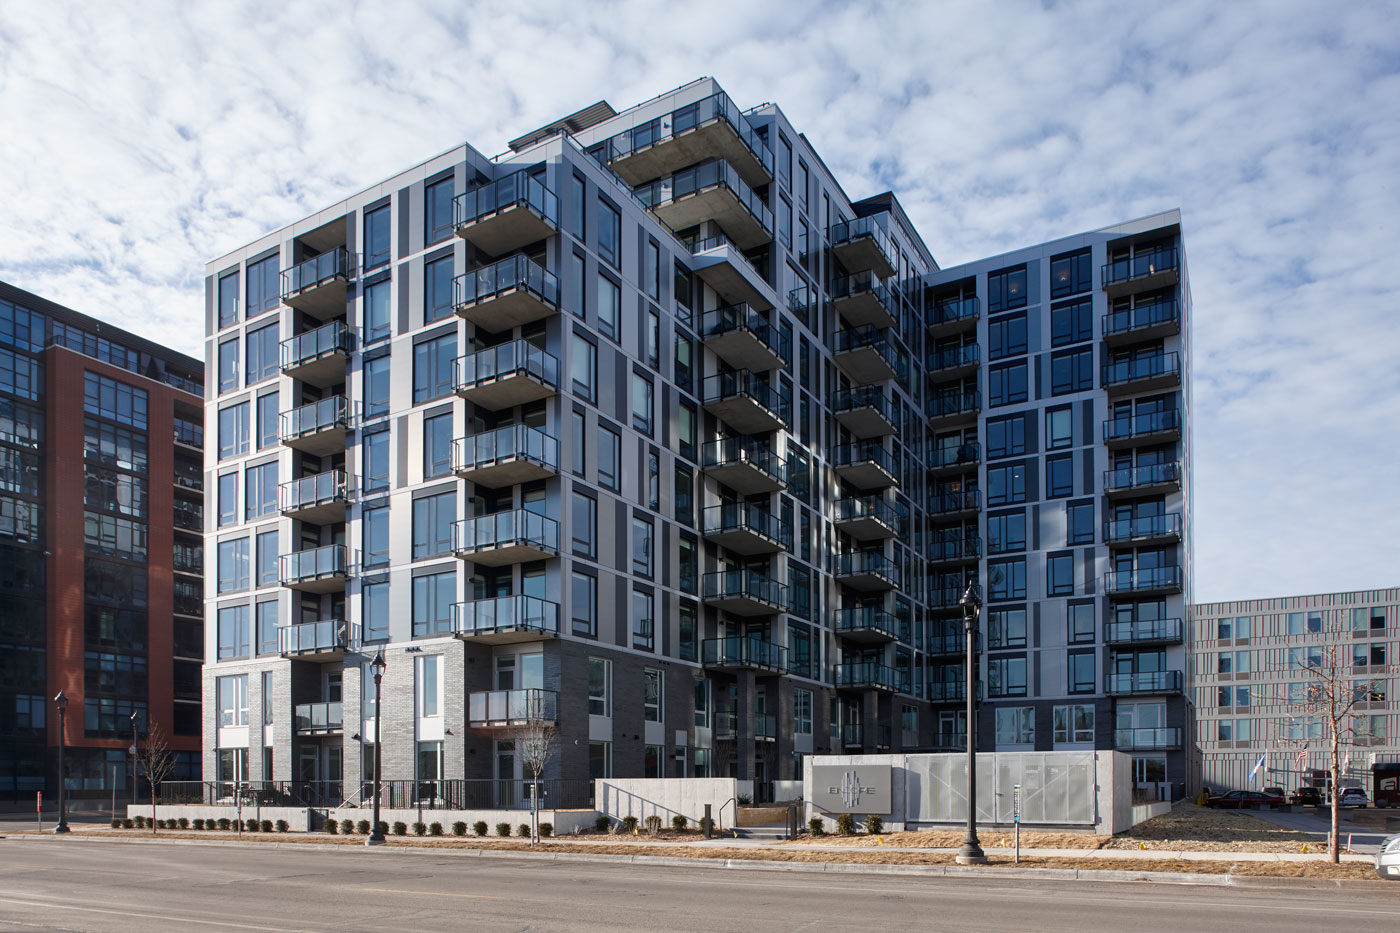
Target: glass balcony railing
(868, 337)
(334, 264)
(1124, 372)
(849, 231)
(1143, 317)
(952, 358)
(322, 637)
(864, 619)
(1147, 738)
(943, 501)
(852, 735)
(1145, 526)
(1143, 264)
(516, 190)
(949, 405)
(968, 454)
(947, 643)
(733, 451)
(1142, 579)
(864, 452)
(731, 517)
(319, 717)
(765, 726)
(314, 563)
(856, 508)
(505, 614)
(741, 318)
(704, 177)
(325, 340)
(955, 548)
(1142, 631)
(946, 690)
(680, 122)
(325, 415)
(188, 516)
(511, 273)
(866, 674)
(510, 443)
(189, 433)
(741, 383)
(863, 283)
(512, 707)
(867, 563)
(954, 310)
(309, 491)
(1156, 474)
(745, 584)
(865, 397)
(743, 651)
(517, 358)
(1128, 427)
(1143, 682)
(516, 528)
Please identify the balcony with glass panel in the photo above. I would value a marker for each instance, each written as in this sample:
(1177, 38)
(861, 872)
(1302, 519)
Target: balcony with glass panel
(326, 718)
(1142, 683)
(319, 498)
(852, 736)
(867, 518)
(867, 625)
(744, 339)
(506, 294)
(765, 727)
(513, 537)
(865, 465)
(947, 643)
(322, 641)
(745, 464)
(506, 456)
(953, 315)
(1144, 581)
(1156, 427)
(733, 653)
(1143, 530)
(947, 691)
(1144, 271)
(507, 375)
(318, 286)
(745, 593)
(745, 528)
(318, 357)
(720, 264)
(1141, 633)
(945, 461)
(869, 571)
(866, 355)
(506, 620)
(1135, 482)
(862, 300)
(950, 503)
(1147, 739)
(744, 401)
(318, 428)
(950, 742)
(953, 362)
(862, 245)
(945, 409)
(506, 214)
(866, 411)
(724, 725)
(954, 549)
(315, 570)
(712, 191)
(1142, 374)
(866, 675)
(498, 709)
(707, 129)
(1151, 321)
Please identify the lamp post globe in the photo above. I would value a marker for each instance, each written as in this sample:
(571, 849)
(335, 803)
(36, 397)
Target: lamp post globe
(61, 701)
(376, 836)
(971, 852)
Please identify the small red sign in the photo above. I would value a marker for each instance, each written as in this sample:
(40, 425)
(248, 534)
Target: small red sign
(38, 801)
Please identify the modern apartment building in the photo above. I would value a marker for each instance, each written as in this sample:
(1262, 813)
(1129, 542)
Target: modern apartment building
(101, 584)
(1251, 661)
(646, 429)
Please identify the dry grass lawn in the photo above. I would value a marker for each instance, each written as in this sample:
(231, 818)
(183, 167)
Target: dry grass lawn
(1190, 828)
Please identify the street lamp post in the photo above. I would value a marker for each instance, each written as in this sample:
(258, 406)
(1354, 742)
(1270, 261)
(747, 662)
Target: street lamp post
(971, 852)
(61, 701)
(376, 836)
(132, 752)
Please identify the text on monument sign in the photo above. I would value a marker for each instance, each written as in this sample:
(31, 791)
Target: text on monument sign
(851, 788)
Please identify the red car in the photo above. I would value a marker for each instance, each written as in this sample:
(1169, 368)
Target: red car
(1244, 800)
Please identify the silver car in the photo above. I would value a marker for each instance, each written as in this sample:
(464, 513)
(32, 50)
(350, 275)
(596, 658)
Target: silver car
(1388, 858)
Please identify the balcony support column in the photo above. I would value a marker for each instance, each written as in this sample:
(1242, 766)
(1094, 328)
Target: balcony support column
(744, 703)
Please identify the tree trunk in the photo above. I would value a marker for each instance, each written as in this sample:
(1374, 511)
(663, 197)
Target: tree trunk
(1334, 848)
(153, 808)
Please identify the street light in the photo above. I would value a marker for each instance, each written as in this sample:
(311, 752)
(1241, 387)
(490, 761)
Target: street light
(376, 836)
(971, 852)
(132, 752)
(61, 701)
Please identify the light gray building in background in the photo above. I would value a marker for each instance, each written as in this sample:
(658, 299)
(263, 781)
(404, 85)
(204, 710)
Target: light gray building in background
(1250, 656)
(646, 429)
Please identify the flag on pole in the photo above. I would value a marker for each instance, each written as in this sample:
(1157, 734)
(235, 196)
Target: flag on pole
(1301, 755)
(1258, 766)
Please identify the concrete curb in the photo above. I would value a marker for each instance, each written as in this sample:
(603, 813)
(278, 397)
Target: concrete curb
(951, 871)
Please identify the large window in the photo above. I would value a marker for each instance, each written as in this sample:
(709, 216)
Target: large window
(802, 712)
(376, 611)
(266, 546)
(437, 212)
(1007, 383)
(1015, 725)
(1006, 336)
(1006, 533)
(233, 430)
(267, 626)
(232, 698)
(653, 695)
(609, 233)
(583, 603)
(437, 445)
(432, 524)
(1006, 677)
(233, 632)
(1073, 724)
(641, 403)
(227, 503)
(609, 306)
(1006, 628)
(376, 387)
(1081, 671)
(429, 701)
(1059, 476)
(1072, 371)
(262, 353)
(376, 461)
(1059, 575)
(267, 420)
(437, 289)
(433, 595)
(375, 527)
(1080, 623)
(378, 324)
(609, 459)
(1006, 436)
(228, 300)
(585, 525)
(233, 565)
(118, 401)
(686, 630)
(377, 237)
(689, 565)
(1006, 485)
(1006, 289)
(643, 621)
(1059, 428)
(260, 491)
(1079, 522)
(599, 687)
(1071, 322)
(432, 368)
(685, 495)
(583, 368)
(264, 292)
(642, 532)
(1007, 579)
(1070, 274)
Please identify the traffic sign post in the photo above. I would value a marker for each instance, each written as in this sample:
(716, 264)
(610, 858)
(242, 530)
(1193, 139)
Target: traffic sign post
(1016, 819)
(39, 808)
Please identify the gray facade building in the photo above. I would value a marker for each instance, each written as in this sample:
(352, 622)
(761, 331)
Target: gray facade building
(646, 429)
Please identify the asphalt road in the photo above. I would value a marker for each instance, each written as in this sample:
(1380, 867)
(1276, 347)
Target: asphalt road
(71, 884)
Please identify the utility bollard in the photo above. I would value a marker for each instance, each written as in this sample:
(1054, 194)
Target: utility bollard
(709, 823)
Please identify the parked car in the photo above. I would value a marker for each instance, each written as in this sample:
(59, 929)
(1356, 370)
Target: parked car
(1244, 800)
(1275, 792)
(1307, 797)
(1388, 858)
(1352, 797)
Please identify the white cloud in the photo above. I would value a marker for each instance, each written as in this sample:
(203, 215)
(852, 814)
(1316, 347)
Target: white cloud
(144, 138)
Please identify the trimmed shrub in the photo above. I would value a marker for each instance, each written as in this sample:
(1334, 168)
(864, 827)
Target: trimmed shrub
(198, 823)
(362, 827)
(225, 823)
(653, 823)
(128, 823)
(546, 829)
(116, 822)
(745, 800)
(140, 822)
(816, 826)
(157, 824)
(265, 826)
(629, 824)
(479, 827)
(400, 828)
(251, 825)
(678, 823)
(331, 826)
(523, 830)
(383, 828)
(601, 824)
(420, 829)
(346, 827)
(282, 826)
(459, 828)
(502, 829)
(184, 822)
(845, 825)
(434, 829)
(874, 825)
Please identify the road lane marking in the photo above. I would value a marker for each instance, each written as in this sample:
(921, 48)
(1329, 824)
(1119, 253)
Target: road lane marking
(484, 897)
(64, 905)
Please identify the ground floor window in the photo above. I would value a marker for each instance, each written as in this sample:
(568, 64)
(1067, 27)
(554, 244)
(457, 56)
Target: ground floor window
(599, 759)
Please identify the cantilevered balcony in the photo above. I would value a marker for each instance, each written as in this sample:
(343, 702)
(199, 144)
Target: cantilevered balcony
(506, 620)
(318, 428)
(720, 264)
(949, 503)
(1142, 633)
(508, 213)
(863, 245)
(866, 355)
(513, 537)
(744, 339)
(744, 401)
(326, 718)
(318, 285)
(708, 129)
(1142, 374)
(1143, 530)
(1134, 482)
(745, 593)
(870, 571)
(326, 640)
(866, 465)
(506, 294)
(954, 549)
(319, 498)
(745, 464)
(866, 675)
(1147, 739)
(507, 375)
(952, 316)
(952, 407)
(1157, 427)
(862, 300)
(499, 709)
(1138, 683)
(1144, 581)
(946, 644)
(944, 461)
(315, 570)
(743, 653)
(952, 362)
(867, 518)
(866, 411)
(317, 357)
(866, 624)
(948, 691)
(712, 191)
(765, 727)
(745, 528)
(1144, 322)
(1146, 271)
(506, 456)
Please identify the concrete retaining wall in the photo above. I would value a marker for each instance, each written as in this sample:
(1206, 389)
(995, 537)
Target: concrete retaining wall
(299, 819)
(668, 797)
(565, 821)
(1146, 811)
(788, 791)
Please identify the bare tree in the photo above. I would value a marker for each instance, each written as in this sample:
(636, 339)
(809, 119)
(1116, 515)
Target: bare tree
(536, 740)
(156, 760)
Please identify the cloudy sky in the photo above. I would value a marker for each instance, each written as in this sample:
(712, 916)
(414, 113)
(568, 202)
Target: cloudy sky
(139, 139)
